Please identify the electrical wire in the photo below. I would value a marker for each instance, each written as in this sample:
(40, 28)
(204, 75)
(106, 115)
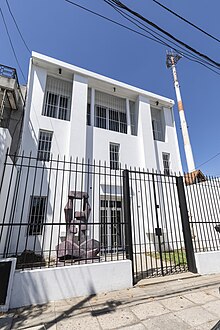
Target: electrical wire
(182, 52)
(10, 11)
(16, 58)
(185, 20)
(199, 61)
(157, 27)
(207, 161)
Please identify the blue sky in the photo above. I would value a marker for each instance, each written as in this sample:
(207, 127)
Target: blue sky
(63, 31)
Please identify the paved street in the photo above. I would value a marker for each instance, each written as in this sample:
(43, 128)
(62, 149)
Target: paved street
(180, 302)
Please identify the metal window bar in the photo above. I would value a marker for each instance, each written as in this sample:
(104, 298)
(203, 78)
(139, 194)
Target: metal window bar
(44, 145)
(110, 112)
(114, 156)
(57, 99)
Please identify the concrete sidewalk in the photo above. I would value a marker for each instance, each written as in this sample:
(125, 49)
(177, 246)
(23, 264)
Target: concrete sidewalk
(181, 302)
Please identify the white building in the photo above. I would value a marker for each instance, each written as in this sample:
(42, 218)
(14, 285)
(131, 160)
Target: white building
(71, 112)
(83, 114)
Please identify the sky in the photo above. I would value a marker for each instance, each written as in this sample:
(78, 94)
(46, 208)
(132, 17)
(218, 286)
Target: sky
(66, 32)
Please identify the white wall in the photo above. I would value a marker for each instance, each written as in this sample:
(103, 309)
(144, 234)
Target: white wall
(208, 262)
(43, 285)
(170, 145)
(77, 144)
(8, 174)
(34, 120)
(5, 143)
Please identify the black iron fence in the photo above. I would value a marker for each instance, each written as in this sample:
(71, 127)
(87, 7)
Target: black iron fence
(157, 222)
(61, 212)
(66, 211)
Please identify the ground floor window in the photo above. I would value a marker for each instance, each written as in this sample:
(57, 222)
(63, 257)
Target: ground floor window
(36, 215)
(112, 234)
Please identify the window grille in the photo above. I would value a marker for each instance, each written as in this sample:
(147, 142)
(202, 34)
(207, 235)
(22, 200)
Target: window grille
(110, 112)
(157, 124)
(57, 99)
(100, 117)
(36, 215)
(88, 121)
(44, 145)
(166, 163)
(132, 117)
(114, 156)
(111, 233)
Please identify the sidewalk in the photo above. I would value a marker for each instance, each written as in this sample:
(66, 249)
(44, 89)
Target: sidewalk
(182, 302)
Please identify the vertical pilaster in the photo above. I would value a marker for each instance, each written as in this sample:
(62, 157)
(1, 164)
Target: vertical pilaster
(128, 117)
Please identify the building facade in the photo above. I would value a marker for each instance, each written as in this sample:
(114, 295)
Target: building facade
(80, 130)
(82, 114)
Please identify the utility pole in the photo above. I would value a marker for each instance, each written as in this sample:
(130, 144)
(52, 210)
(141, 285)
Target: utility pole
(171, 61)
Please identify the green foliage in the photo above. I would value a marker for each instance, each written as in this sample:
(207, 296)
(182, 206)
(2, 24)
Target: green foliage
(177, 257)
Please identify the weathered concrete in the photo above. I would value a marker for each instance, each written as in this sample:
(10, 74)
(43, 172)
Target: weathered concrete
(175, 302)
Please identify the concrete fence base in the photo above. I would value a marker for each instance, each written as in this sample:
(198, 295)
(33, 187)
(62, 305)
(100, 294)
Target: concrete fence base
(208, 262)
(40, 286)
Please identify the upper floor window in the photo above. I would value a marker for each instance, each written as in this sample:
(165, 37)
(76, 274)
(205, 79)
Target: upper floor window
(166, 163)
(88, 119)
(158, 124)
(44, 145)
(133, 117)
(114, 156)
(110, 112)
(57, 99)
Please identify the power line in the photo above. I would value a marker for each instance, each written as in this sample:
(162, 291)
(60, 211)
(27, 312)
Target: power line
(207, 161)
(17, 27)
(185, 20)
(12, 44)
(157, 27)
(189, 56)
(182, 52)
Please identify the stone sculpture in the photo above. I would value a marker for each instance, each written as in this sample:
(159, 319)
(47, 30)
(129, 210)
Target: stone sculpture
(76, 244)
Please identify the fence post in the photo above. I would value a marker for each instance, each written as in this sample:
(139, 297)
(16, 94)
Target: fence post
(127, 219)
(186, 227)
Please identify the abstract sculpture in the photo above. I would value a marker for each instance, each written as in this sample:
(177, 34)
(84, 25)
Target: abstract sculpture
(76, 245)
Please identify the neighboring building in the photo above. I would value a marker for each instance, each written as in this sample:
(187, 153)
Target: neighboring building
(74, 113)
(12, 100)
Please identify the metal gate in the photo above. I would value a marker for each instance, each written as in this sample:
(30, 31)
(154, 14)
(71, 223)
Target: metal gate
(203, 203)
(159, 230)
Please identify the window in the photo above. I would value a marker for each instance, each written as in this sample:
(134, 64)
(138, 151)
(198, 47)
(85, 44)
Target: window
(100, 117)
(132, 117)
(166, 163)
(57, 100)
(117, 121)
(44, 145)
(36, 215)
(114, 156)
(110, 112)
(88, 120)
(111, 233)
(157, 124)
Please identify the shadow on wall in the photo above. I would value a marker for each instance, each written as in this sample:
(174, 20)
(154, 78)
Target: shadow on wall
(81, 307)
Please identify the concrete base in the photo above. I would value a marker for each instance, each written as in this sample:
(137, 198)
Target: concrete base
(43, 285)
(208, 262)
